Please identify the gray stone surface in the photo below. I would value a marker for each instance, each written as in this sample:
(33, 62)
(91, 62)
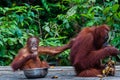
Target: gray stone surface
(63, 73)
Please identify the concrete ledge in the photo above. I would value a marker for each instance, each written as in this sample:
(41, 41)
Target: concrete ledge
(63, 73)
(8, 68)
(58, 68)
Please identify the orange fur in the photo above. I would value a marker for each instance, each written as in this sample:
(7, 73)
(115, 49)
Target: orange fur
(87, 51)
(26, 60)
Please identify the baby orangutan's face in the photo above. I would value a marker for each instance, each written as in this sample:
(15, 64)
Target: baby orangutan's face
(33, 44)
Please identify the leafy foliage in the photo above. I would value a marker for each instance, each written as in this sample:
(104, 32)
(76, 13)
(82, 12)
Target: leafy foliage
(54, 22)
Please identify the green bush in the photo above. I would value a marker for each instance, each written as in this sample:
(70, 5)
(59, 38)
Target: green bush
(16, 25)
(54, 22)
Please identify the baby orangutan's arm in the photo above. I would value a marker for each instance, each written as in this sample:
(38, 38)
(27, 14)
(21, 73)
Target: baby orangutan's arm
(21, 59)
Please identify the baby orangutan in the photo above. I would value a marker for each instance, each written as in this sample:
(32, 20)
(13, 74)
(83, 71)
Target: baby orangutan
(109, 68)
(28, 56)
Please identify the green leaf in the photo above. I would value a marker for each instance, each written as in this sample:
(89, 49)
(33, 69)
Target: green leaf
(1, 43)
(21, 18)
(71, 11)
(44, 2)
(108, 19)
(90, 23)
(90, 16)
(47, 29)
(94, 8)
(85, 15)
(67, 25)
(115, 7)
(106, 10)
(39, 8)
(10, 41)
(18, 32)
(119, 14)
(12, 52)
(30, 18)
(21, 41)
(8, 56)
(5, 40)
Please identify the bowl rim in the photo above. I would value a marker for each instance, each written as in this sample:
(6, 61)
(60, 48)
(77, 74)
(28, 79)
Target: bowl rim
(35, 68)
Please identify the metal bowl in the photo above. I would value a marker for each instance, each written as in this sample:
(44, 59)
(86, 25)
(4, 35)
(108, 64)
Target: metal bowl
(35, 72)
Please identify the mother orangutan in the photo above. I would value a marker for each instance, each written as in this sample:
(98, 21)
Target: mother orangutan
(89, 48)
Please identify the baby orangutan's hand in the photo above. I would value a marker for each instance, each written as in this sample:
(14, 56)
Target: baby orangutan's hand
(34, 55)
